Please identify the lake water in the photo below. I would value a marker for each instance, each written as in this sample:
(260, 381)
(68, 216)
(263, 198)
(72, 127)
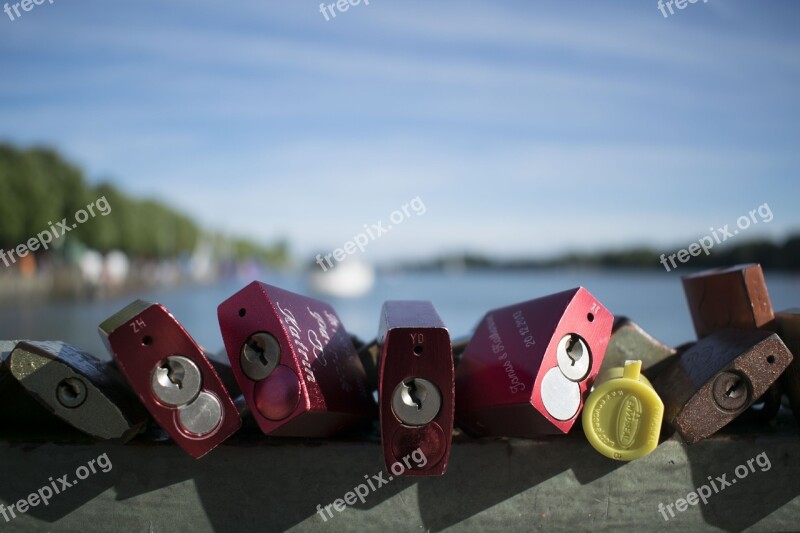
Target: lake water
(653, 299)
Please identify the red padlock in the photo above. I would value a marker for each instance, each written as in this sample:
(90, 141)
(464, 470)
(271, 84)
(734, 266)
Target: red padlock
(416, 389)
(294, 362)
(172, 376)
(530, 366)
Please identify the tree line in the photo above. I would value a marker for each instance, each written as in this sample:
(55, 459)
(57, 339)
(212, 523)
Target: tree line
(39, 187)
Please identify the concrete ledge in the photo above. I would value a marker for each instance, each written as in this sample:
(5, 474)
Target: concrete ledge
(253, 484)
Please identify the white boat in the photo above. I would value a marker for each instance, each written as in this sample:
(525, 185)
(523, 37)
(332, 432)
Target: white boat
(350, 278)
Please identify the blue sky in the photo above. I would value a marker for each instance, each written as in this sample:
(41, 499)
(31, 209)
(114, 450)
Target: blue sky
(527, 128)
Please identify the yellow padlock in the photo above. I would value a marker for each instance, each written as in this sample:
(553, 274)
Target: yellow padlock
(622, 415)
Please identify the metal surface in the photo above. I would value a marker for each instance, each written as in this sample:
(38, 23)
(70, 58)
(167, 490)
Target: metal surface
(561, 396)
(416, 392)
(732, 391)
(71, 392)
(176, 380)
(278, 395)
(734, 297)
(788, 323)
(416, 401)
(202, 415)
(317, 360)
(574, 357)
(703, 390)
(630, 342)
(77, 388)
(500, 380)
(172, 377)
(261, 353)
(368, 354)
(6, 347)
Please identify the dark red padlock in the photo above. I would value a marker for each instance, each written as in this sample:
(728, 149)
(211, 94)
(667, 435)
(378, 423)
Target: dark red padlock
(172, 376)
(733, 297)
(294, 362)
(530, 366)
(416, 389)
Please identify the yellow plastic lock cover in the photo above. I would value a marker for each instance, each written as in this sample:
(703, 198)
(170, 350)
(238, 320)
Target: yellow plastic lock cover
(622, 415)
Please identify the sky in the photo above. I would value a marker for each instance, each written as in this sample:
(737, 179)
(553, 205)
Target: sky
(525, 128)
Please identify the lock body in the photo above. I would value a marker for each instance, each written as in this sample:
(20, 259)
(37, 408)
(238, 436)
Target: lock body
(734, 297)
(529, 367)
(623, 414)
(295, 363)
(788, 323)
(718, 378)
(630, 342)
(172, 377)
(6, 347)
(78, 388)
(416, 386)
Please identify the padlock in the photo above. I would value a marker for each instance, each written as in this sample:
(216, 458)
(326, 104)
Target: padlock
(6, 347)
(172, 376)
(416, 387)
(630, 342)
(788, 324)
(294, 362)
(623, 414)
(734, 297)
(718, 378)
(528, 368)
(19, 411)
(78, 388)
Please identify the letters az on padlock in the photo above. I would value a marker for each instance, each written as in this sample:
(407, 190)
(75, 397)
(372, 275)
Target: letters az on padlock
(416, 386)
(528, 368)
(172, 376)
(78, 388)
(294, 362)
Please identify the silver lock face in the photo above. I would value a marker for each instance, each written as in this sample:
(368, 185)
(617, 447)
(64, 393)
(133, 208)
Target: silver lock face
(560, 396)
(71, 392)
(201, 416)
(573, 357)
(416, 401)
(260, 356)
(176, 381)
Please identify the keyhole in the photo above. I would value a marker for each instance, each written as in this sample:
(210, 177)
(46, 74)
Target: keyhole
(734, 390)
(256, 352)
(413, 396)
(171, 375)
(69, 391)
(574, 350)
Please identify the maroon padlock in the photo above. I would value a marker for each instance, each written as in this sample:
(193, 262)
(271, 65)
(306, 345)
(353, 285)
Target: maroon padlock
(294, 362)
(172, 376)
(416, 388)
(529, 367)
